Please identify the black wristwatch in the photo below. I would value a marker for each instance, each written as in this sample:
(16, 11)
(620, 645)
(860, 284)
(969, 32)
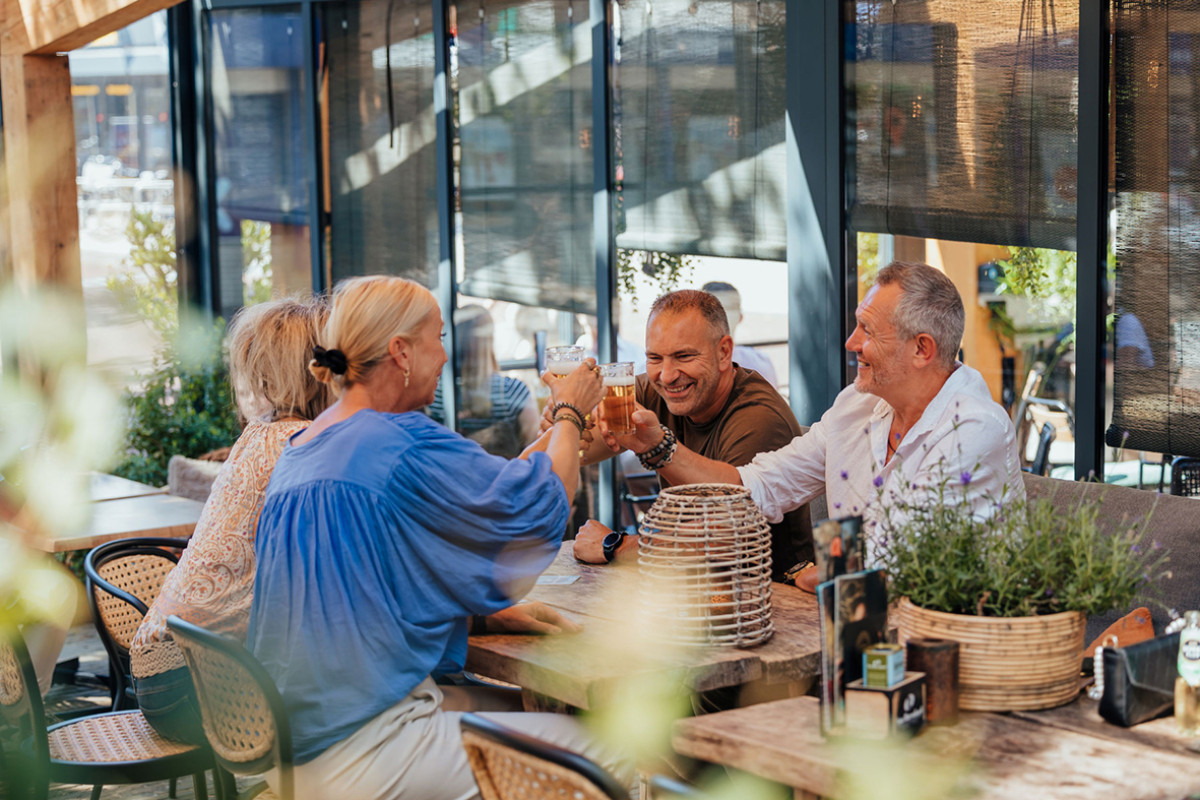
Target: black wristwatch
(611, 542)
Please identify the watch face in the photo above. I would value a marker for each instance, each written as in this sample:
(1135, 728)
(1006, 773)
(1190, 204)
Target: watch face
(612, 540)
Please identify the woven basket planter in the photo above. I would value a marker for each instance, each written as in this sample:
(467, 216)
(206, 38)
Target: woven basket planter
(1005, 663)
(704, 555)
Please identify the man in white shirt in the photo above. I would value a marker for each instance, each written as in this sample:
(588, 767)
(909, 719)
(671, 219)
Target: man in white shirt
(914, 421)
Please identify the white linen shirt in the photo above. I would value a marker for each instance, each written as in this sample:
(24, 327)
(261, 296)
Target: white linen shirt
(964, 438)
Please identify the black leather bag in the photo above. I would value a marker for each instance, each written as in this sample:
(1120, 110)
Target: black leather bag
(1139, 680)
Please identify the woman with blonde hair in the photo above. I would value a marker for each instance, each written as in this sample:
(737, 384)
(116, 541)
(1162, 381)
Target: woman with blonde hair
(269, 348)
(384, 538)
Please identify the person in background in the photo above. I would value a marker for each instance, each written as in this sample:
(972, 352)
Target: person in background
(211, 586)
(384, 538)
(743, 356)
(495, 410)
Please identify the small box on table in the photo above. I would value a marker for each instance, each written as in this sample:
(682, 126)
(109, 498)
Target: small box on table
(883, 665)
(877, 713)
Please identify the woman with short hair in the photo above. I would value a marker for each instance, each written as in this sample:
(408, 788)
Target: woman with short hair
(269, 348)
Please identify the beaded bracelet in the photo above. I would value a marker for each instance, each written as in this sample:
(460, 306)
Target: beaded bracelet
(560, 406)
(658, 449)
(669, 455)
(661, 454)
(571, 419)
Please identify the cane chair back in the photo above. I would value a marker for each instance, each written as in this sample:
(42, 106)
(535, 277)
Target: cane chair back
(24, 759)
(109, 748)
(123, 580)
(242, 712)
(1185, 476)
(509, 765)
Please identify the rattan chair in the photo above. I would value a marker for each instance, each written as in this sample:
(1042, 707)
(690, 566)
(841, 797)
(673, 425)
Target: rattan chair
(1185, 476)
(509, 765)
(123, 579)
(243, 714)
(109, 748)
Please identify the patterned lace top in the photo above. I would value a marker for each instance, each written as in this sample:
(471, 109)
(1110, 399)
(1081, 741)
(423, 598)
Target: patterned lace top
(213, 584)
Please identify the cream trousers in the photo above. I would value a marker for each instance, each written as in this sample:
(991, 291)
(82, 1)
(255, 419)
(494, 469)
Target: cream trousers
(414, 750)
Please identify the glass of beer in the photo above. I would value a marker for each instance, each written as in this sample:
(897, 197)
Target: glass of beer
(564, 359)
(619, 385)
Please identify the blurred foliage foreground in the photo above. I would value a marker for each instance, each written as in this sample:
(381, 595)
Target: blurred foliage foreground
(57, 422)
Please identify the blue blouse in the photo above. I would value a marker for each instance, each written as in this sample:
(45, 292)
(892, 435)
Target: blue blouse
(377, 540)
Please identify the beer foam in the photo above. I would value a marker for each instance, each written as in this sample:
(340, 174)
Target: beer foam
(562, 367)
(619, 380)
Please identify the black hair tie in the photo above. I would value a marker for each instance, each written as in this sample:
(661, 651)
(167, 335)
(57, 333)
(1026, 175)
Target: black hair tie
(334, 360)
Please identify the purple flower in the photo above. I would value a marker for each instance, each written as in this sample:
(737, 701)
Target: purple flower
(965, 477)
(1134, 548)
(1156, 545)
(845, 475)
(1049, 592)
(878, 481)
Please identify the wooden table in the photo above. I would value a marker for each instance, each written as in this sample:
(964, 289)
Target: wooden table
(147, 515)
(103, 487)
(1064, 753)
(585, 669)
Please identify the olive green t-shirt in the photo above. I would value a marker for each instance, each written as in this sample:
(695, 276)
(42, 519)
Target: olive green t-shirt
(755, 419)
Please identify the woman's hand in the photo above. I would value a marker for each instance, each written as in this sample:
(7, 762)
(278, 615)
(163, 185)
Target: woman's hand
(531, 617)
(582, 388)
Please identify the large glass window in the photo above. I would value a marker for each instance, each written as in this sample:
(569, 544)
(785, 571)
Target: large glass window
(120, 91)
(379, 138)
(698, 123)
(1156, 228)
(962, 120)
(261, 186)
(523, 108)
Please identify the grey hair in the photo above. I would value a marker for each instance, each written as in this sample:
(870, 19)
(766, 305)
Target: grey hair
(929, 303)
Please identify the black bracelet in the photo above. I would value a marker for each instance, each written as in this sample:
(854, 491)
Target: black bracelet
(661, 454)
(560, 406)
(667, 456)
(478, 625)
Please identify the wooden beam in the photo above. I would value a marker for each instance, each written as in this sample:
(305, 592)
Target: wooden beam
(45, 27)
(39, 146)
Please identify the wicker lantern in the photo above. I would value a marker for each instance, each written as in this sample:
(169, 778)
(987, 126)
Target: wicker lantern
(705, 563)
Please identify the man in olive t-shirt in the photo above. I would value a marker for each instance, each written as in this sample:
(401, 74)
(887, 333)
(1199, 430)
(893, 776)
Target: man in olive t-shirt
(713, 406)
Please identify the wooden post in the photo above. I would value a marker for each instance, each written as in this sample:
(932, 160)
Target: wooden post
(39, 143)
(39, 128)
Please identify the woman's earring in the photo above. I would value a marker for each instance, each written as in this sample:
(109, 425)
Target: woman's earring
(406, 379)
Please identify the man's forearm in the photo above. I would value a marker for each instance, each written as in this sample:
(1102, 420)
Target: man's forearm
(688, 466)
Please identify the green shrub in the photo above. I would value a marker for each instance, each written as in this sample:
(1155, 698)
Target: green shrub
(1027, 558)
(185, 405)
